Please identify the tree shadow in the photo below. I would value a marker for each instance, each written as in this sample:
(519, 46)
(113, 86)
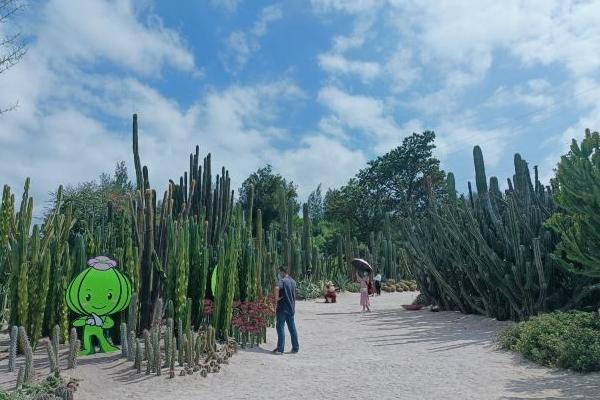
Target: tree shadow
(569, 385)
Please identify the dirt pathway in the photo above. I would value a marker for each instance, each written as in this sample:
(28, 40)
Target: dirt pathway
(387, 354)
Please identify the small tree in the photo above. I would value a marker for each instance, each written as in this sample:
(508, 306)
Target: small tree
(12, 48)
(266, 185)
(577, 193)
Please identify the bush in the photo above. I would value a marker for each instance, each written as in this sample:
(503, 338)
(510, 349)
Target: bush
(353, 287)
(307, 290)
(559, 340)
(421, 299)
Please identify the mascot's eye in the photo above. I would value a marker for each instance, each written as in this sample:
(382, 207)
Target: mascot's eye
(88, 297)
(109, 295)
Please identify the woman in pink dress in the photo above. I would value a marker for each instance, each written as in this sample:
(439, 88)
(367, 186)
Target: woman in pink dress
(364, 291)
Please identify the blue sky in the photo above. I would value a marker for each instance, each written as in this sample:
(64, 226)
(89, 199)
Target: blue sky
(315, 88)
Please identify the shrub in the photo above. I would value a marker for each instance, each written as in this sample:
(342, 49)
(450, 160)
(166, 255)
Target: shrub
(560, 340)
(353, 287)
(421, 299)
(307, 290)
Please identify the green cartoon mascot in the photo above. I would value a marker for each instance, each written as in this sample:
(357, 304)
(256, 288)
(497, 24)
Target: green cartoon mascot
(94, 294)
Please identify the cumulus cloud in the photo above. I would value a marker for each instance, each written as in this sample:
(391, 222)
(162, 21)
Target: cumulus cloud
(241, 45)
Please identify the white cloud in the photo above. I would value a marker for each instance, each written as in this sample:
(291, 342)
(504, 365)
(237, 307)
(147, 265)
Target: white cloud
(74, 124)
(320, 160)
(338, 64)
(96, 30)
(366, 114)
(241, 45)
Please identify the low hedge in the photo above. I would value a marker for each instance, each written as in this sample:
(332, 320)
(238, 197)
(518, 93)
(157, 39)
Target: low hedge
(569, 340)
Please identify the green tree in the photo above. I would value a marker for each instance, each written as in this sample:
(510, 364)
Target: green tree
(577, 193)
(12, 48)
(392, 184)
(315, 205)
(266, 184)
(89, 199)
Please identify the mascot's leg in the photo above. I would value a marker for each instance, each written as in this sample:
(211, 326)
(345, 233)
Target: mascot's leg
(105, 346)
(88, 346)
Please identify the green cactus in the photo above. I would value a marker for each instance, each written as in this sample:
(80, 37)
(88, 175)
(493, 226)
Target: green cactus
(52, 359)
(12, 351)
(124, 344)
(138, 357)
(74, 348)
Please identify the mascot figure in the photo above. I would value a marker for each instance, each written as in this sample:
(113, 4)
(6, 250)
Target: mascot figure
(94, 294)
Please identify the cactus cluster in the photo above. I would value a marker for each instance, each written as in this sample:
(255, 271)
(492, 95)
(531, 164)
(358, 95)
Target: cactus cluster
(490, 253)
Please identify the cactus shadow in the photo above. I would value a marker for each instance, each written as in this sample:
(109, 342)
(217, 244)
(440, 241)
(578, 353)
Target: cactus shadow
(440, 331)
(257, 349)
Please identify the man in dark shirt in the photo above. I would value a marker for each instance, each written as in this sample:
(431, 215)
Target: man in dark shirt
(286, 307)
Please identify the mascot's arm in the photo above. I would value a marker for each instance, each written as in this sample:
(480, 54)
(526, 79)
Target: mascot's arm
(79, 321)
(108, 322)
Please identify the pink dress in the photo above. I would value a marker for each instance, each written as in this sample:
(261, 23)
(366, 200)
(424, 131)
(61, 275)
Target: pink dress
(364, 291)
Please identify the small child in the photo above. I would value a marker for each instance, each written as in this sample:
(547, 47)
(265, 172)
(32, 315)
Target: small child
(330, 295)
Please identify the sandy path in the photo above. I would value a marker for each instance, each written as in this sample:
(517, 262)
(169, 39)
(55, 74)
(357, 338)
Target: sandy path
(387, 354)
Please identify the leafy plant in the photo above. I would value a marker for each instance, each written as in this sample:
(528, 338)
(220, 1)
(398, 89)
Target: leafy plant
(353, 287)
(560, 340)
(52, 385)
(307, 290)
(422, 299)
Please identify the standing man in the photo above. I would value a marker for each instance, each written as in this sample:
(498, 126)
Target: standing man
(377, 280)
(286, 308)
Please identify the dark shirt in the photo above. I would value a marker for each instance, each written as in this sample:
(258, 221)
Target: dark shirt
(287, 295)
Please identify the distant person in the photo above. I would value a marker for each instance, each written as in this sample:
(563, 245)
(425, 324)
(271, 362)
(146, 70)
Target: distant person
(329, 292)
(286, 308)
(364, 290)
(377, 280)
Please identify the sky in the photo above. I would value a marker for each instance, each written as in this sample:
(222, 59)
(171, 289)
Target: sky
(315, 88)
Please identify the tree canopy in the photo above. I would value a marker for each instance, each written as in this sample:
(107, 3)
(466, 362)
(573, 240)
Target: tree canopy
(266, 188)
(391, 184)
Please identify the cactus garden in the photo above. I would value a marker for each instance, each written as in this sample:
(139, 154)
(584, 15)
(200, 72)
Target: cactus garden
(321, 199)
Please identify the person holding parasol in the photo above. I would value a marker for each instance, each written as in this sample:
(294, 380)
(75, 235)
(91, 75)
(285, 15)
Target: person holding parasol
(363, 275)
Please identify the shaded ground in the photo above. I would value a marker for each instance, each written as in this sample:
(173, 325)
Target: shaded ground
(387, 354)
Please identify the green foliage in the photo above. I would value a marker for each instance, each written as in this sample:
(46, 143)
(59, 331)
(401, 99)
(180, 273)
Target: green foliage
(578, 196)
(89, 199)
(422, 299)
(316, 207)
(558, 340)
(307, 290)
(391, 184)
(266, 186)
(491, 254)
(353, 287)
(51, 385)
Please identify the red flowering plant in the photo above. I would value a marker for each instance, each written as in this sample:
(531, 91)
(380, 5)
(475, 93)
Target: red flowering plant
(253, 316)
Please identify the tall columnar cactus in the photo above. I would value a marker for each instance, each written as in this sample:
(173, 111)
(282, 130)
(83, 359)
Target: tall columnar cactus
(131, 340)
(306, 240)
(74, 347)
(56, 332)
(132, 313)
(12, 351)
(489, 254)
(124, 344)
(138, 357)
(52, 359)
